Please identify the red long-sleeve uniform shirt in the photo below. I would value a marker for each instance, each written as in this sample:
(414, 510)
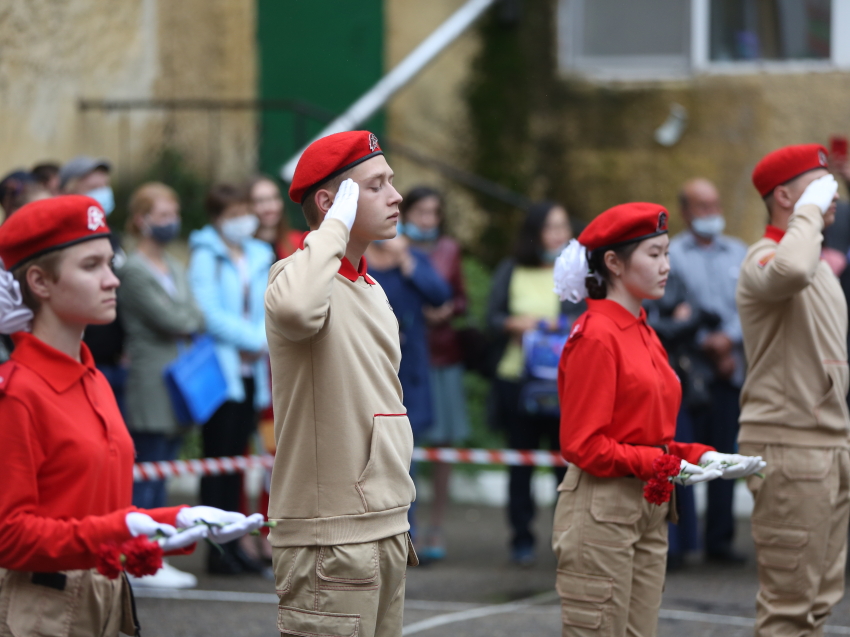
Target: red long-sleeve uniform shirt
(66, 461)
(619, 395)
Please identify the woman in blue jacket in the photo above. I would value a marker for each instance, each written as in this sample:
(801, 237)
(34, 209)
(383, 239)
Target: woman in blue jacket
(228, 273)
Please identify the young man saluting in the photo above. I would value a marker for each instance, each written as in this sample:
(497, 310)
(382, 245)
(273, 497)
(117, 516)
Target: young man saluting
(793, 410)
(340, 487)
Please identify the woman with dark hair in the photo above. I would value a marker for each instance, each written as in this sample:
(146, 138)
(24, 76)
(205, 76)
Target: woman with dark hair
(228, 274)
(422, 216)
(521, 299)
(267, 204)
(619, 400)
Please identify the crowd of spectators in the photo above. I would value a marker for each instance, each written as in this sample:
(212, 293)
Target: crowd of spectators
(165, 302)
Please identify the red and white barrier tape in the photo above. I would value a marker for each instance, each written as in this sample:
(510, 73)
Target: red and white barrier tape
(145, 471)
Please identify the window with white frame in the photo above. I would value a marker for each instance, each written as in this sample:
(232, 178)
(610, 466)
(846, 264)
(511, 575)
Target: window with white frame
(658, 39)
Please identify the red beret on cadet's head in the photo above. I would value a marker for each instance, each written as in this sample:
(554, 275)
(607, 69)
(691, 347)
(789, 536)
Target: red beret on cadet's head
(50, 224)
(623, 224)
(330, 156)
(783, 165)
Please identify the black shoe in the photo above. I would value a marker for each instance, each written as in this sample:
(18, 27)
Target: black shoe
(726, 557)
(219, 563)
(248, 563)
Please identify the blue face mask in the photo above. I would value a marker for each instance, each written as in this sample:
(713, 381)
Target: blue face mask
(549, 256)
(709, 227)
(165, 233)
(105, 197)
(414, 233)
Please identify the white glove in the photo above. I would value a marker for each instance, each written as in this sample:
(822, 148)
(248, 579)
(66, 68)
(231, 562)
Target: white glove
(224, 526)
(344, 206)
(732, 465)
(820, 192)
(691, 474)
(182, 539)
(143, 524)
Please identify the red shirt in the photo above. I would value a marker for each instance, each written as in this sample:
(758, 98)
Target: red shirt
(66, 458)
(619, 396)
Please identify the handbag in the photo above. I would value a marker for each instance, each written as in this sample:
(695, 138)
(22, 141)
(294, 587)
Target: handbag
(542, 352)
(195, 382)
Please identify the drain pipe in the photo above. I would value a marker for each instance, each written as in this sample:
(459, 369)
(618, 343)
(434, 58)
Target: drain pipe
(406, 70)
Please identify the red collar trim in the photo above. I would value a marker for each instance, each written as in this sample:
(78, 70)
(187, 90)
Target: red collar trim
(346, 268)
(773, 233)
(57, 369)
(616, 312)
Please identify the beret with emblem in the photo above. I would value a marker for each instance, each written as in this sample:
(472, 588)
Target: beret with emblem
(625, 223)
(785, 164)
(330, 156)
(50, 224)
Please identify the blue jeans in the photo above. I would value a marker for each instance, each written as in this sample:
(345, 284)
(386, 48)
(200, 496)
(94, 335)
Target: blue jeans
(150, 448)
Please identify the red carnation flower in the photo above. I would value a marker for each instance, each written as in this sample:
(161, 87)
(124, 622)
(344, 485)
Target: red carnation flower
(666, 466)
(658, 491)
(108, 560)
(142, 557)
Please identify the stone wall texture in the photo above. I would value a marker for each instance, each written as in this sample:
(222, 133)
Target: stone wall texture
(53, 54)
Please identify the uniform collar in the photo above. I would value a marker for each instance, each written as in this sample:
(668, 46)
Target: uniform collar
(616, 312)
(58, 370)
(773, 233)
(346, 268)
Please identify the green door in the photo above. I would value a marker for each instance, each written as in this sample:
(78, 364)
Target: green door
(323, 53)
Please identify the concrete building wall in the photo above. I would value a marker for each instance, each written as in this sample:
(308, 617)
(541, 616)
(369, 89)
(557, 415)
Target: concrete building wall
(429, 114)
(52, 54)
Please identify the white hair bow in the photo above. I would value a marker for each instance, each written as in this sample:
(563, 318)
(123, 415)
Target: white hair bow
(14, 315)
(571, 270)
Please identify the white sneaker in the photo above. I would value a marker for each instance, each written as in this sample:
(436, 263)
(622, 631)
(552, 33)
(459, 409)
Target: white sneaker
(166, 577)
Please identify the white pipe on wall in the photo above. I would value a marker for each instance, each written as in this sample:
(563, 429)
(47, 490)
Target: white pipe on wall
(405, 71)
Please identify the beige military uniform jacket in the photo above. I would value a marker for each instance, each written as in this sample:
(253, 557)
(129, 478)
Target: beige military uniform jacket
(794, 322)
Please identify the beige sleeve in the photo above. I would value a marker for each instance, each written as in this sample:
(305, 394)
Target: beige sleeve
(776, 273)
(299, 291)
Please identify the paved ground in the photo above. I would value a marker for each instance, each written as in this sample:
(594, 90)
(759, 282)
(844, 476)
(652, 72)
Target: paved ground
(474, 593)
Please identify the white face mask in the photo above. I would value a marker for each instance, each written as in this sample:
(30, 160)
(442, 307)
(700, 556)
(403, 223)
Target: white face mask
(239, 229)
(709, 227)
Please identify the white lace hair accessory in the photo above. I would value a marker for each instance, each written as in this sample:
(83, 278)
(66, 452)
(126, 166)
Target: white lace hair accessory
(14, 315)
(571, 270)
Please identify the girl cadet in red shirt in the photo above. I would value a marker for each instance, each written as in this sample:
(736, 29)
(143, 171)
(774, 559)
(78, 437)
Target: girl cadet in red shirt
(66, 455)
(619, 399)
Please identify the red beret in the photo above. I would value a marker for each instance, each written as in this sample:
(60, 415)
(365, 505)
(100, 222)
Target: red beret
(783, 165)
(330, 156)
(625, 223)
(50, 224)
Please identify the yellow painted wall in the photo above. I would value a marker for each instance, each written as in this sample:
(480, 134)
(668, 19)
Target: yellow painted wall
(52, 54)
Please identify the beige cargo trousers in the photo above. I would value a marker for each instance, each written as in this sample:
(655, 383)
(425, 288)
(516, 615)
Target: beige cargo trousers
(351, 590)
(611, 546)
(66, 604)
(800, 531)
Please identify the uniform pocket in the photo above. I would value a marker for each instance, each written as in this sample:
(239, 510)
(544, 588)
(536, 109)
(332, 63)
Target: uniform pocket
(580, 587)
(831, 409)
(348, 566)
(307, 623)
(36, 610)
(571, 479)
(779, 551)
(385, 482)
(617, 500)
(806, 463)
(284, 568)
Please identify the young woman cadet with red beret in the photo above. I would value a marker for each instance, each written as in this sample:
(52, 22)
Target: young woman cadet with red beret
(619, 400)
(66, 455)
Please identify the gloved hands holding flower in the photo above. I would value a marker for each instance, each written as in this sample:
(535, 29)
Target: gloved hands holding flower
(223, 526)
(732, 465)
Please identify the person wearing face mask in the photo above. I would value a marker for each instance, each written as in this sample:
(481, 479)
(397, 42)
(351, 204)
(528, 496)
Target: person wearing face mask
(90, 176)
(705, 264)
(228, 274)
(158, 314)
(520, 299)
